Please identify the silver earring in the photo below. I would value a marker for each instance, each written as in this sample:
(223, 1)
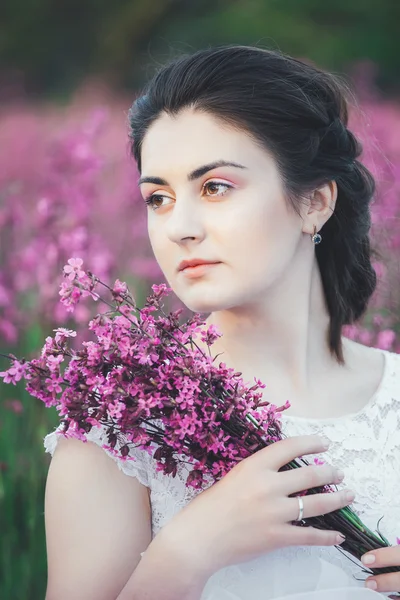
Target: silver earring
(316, 237)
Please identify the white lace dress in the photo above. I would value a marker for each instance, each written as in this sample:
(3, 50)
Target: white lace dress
(365, 445)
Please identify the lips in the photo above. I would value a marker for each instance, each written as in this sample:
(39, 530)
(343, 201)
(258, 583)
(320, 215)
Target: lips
(195, 262)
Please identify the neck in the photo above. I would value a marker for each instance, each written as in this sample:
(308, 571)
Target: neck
(281, 339)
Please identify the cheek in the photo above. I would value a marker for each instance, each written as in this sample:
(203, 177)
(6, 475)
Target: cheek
(264, 236)
(156, 242)
(257, 224)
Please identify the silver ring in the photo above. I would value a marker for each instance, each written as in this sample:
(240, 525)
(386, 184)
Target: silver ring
(301, 508)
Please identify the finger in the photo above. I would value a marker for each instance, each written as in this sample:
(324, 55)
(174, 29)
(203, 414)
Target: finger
(290, 535)
(383, 557)
(307, 477)
(388, 582)
(316, 504)
(283, 452)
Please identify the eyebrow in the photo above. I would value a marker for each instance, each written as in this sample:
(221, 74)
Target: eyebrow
(196, 174)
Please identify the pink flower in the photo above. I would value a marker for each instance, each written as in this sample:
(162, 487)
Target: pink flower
(70, 296)
(53, 384)
(94, 353)
(365, 336)
(119, 288)
(53, 362)
(350, 331)
(15, 373)
(116, 409)
(73, 268)
(386, 338)
(62, 334)
(66, 289)
(211, 335)
(160, 290)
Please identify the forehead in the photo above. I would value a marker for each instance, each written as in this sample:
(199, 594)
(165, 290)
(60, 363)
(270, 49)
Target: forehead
(192, 138)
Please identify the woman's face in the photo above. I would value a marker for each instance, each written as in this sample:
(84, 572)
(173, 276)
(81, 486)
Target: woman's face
(233, 214)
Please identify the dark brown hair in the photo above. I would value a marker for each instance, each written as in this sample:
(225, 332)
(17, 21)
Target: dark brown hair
(300, 114)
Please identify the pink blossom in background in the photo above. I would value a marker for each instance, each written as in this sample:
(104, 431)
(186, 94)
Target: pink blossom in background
(14, 405)
(377, 125)
(68, 188)
(73, 268)
(385, 339)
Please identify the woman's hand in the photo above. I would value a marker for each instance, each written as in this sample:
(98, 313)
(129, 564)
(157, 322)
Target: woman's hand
(384, 557)
(250, 511)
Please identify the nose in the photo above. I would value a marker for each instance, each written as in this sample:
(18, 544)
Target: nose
(185, 222)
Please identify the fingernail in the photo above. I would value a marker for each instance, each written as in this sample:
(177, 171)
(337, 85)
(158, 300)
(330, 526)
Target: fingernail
(326, 442)
(340, 538)
(350, 495)
(372, 585)
(340, 474)
(368, 559)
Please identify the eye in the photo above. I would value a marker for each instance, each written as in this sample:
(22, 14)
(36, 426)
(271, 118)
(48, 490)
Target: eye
(153, 199)
(213, 188)
(216, 188)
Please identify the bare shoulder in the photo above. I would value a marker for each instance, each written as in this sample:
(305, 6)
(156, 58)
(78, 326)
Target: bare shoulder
(373, 367)
(97, 520)
(369, 355)
(363, 356)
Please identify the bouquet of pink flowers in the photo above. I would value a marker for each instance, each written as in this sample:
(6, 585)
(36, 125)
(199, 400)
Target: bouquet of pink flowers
(146, 381)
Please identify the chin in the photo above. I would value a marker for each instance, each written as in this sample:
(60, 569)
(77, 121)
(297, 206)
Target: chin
(201, 301)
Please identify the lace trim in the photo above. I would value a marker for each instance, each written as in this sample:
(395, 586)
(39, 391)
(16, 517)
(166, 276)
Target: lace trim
(137, 467)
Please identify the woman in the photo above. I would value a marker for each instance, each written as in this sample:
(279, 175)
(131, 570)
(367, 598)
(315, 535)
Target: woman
(250, 173)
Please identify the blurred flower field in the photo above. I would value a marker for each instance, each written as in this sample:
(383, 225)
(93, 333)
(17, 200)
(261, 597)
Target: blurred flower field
(68, 188)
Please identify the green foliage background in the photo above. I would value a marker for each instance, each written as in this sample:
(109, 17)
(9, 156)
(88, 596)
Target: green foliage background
(23, 471)
(49, 47)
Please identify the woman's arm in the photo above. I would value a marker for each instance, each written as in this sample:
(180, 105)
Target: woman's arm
(98, 521)
(165, 573)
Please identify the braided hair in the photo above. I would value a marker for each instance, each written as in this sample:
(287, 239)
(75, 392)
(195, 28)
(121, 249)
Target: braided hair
(300, 114)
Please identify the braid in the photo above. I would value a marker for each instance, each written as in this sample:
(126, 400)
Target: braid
(344, 258)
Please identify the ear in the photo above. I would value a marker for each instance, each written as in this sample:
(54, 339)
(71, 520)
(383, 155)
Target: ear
(320, 207)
